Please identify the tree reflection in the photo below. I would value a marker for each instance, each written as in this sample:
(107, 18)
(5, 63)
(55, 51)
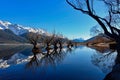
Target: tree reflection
(47, 59)
(115, 73)
(104, 61)
(69, 50)
(108, 61)
(33, 62)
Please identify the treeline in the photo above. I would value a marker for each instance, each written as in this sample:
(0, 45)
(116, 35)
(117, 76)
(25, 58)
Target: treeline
(51, 43)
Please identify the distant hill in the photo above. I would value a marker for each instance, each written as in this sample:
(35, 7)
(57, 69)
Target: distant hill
(78, 40)
(99, 39)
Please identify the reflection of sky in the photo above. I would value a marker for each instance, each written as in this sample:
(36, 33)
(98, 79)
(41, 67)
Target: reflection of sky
(49, 15)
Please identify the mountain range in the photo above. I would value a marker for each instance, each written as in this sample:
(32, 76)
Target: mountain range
(15, 33)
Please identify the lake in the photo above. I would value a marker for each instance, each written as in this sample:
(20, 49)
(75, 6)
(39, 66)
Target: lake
(77, 63)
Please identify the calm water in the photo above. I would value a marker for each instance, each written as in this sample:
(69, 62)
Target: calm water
(81, 63)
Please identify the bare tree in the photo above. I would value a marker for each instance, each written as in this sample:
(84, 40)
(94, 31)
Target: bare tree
(48, 42)
(58, 41)
(109, 23)
(69, 44)
(33, 38)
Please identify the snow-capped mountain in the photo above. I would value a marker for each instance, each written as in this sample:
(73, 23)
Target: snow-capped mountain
(15, 33)
(19, 29)
(78, 40)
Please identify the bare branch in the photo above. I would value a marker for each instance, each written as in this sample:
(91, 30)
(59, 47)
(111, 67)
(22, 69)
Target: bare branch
(103, 22)
(84, 11)
(88, 7)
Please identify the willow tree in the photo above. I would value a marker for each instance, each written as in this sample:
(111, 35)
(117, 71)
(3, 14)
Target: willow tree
(109, 23)
(34, 39)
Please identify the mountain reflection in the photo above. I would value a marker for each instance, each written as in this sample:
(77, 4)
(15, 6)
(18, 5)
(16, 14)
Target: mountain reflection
(7, 51)
(13, 54)
(101, 49)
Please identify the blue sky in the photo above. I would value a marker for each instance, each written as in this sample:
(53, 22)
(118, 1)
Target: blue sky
(48, 15)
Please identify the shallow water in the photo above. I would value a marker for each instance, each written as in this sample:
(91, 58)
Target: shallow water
(81, 63)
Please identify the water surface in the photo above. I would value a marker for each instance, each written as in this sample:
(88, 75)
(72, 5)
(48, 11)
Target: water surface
(81, 63)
